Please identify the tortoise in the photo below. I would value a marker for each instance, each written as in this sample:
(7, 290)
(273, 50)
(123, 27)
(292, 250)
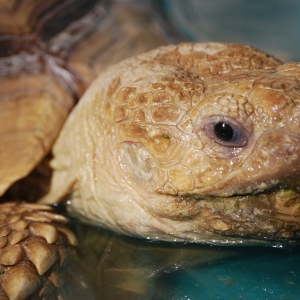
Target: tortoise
(195, 142)
(49, 54)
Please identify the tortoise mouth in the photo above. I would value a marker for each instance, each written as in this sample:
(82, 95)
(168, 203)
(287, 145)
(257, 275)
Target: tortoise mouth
(292, 184)
(269, 215)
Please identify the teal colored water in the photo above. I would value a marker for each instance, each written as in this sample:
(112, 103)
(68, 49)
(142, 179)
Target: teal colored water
(253, 273)
(113, 267)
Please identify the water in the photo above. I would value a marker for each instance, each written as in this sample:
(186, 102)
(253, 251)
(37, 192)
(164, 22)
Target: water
(112, 267)
(254, 273)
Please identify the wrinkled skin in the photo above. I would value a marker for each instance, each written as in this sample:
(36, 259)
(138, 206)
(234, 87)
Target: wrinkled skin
(50, 52)
(143, 152)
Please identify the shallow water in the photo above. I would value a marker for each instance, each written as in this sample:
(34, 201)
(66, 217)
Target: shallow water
(250, 274)
(110, 266)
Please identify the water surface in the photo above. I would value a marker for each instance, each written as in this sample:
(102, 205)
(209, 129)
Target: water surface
(112, 266)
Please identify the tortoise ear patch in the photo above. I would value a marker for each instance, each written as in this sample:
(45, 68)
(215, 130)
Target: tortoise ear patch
(137, 163)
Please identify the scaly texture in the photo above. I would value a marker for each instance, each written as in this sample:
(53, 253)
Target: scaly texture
(34, 252)
(144, 152)
(50, 53)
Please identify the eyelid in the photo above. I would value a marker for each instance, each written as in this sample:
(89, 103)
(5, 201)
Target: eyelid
(241, 135)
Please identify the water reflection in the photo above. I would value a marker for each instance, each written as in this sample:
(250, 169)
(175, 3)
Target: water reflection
(253, 273)
(111, 267)
(118, 267)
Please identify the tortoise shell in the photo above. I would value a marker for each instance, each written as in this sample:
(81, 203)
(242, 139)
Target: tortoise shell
(49, 54)
(194, 142)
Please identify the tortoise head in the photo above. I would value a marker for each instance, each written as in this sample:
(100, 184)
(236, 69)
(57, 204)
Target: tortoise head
(189, 142)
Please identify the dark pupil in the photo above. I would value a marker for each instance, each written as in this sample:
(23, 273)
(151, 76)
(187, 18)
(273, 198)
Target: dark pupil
(223, 131)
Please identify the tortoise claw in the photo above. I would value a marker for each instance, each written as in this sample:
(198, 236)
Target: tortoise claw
(34, 252)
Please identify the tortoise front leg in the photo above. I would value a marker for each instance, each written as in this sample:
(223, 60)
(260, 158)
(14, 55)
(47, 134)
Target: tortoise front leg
(35, 250)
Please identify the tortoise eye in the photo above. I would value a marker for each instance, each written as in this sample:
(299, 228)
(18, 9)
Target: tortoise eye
(226, 131)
